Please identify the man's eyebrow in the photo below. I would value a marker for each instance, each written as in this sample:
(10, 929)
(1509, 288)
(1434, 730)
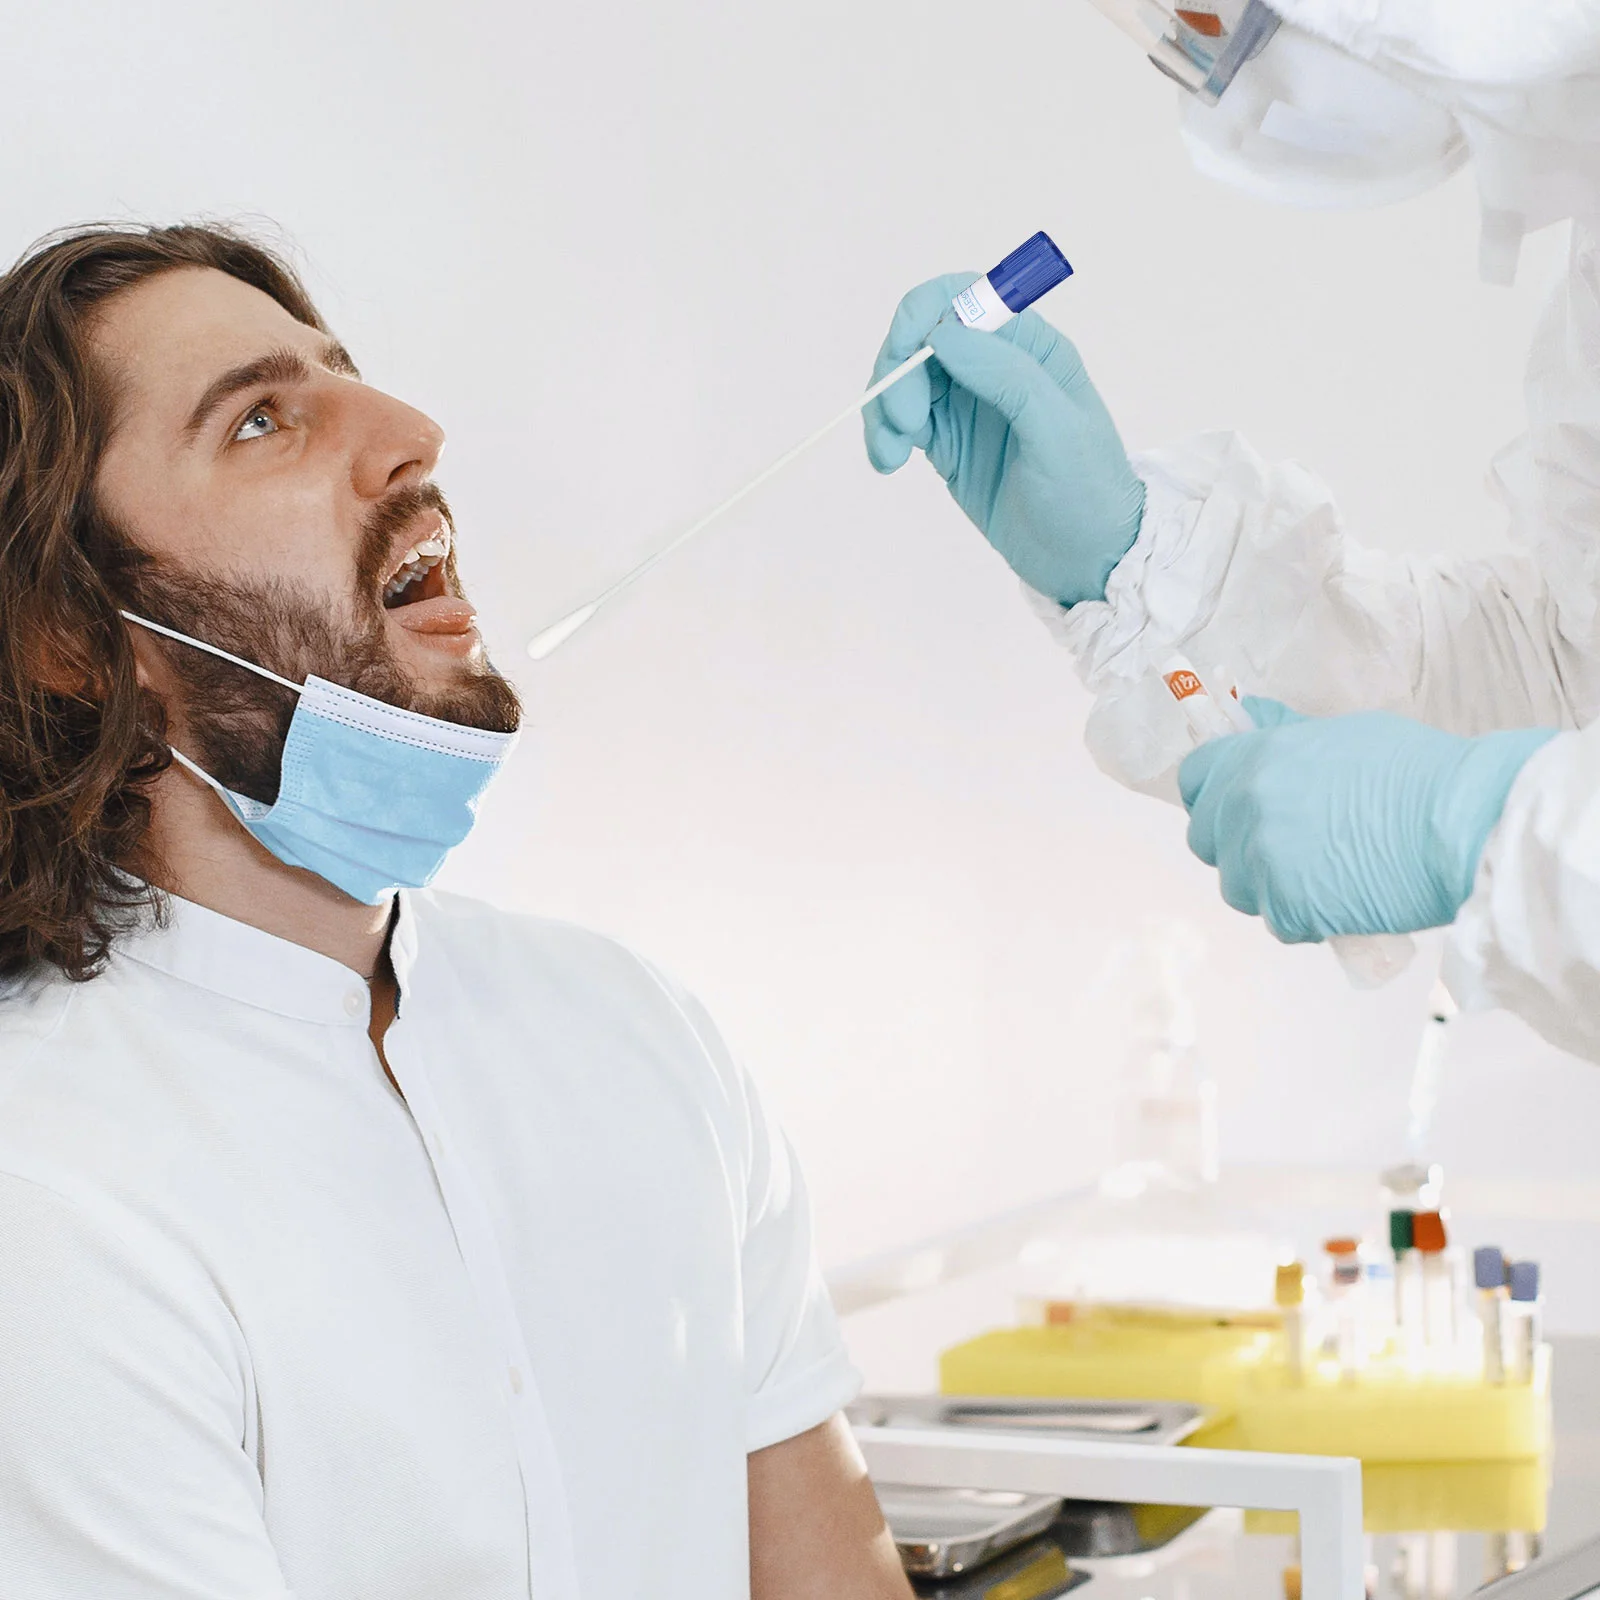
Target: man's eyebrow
(284, 365)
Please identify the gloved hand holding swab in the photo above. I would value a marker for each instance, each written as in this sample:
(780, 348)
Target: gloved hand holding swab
(1031, 270)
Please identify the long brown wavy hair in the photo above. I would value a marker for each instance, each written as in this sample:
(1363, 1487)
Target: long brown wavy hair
(79, 741)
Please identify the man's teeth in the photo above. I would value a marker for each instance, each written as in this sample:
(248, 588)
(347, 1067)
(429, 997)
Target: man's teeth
(418, 561)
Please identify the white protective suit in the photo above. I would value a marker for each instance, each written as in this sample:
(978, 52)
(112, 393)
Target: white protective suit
(1245, 564)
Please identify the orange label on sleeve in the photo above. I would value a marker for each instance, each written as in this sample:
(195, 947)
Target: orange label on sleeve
(1206, 23)
(1184, 684)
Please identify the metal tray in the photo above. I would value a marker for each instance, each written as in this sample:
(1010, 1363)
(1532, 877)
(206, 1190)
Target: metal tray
(1125, 1421)
(1102, 1529)
(1037, 1570)
(1080, 1527)
(941, 1532)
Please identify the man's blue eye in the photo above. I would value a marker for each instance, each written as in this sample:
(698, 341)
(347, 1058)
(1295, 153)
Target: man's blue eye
(257, 425)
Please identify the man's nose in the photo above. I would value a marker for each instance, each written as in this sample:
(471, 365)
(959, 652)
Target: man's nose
(398, 444)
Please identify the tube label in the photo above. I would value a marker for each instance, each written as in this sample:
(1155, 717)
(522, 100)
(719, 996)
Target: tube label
(1206, 719)
(979, 306)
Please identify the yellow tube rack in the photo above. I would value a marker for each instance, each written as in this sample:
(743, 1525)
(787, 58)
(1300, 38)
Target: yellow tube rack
(1439, 1451)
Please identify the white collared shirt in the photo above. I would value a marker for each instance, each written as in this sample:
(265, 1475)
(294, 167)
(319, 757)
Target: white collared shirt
(267, 1328)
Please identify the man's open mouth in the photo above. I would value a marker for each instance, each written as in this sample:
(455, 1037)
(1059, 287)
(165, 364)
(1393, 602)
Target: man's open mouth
(420, 573)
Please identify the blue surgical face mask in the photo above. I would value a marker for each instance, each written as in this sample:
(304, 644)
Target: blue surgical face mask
(370, 797)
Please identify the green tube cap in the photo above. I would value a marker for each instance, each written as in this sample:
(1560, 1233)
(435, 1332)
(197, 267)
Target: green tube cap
(1401, 1236)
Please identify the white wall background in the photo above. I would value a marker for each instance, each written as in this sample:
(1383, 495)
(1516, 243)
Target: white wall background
(825, 766)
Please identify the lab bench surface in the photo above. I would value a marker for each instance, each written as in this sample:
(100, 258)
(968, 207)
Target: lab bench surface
(1216, 1559)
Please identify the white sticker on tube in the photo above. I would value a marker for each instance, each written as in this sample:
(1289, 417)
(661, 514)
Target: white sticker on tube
(980, 307)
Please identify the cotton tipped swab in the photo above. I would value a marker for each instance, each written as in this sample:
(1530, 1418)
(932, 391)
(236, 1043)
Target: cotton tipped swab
(1032, 269)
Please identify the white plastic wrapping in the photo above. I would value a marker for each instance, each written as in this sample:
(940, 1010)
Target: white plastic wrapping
(1363, 102)
(1245, 565)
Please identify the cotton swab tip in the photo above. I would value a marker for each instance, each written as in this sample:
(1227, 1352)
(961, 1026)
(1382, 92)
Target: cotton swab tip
(548, 640)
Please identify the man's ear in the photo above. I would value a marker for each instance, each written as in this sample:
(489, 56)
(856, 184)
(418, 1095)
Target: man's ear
(156, 682)
(149, 664)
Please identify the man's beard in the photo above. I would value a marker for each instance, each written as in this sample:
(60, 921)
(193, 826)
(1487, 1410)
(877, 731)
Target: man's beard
(237, 722)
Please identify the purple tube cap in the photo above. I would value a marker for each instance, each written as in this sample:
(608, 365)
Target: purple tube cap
(1488, 1268)
(1524, 1280)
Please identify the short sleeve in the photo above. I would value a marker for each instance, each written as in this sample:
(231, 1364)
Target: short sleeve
(797, 1370)
(123, 1468)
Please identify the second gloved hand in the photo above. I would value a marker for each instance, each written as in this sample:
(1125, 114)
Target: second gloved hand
(1360, 824)
(1012, 424)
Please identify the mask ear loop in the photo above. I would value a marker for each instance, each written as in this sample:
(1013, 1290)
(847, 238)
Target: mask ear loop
(253, 810)
(238, 661)
(211, 649)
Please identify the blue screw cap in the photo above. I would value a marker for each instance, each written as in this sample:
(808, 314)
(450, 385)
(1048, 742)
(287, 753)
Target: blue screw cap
(1488, 1268)
(1034, 268)
(1525, 1280)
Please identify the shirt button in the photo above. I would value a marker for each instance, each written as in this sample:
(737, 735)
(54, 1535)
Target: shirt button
(355, 1002)
(516, 1380)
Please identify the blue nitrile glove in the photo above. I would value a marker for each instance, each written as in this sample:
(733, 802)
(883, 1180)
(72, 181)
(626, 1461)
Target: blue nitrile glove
(1368, 823)
(1012, 424)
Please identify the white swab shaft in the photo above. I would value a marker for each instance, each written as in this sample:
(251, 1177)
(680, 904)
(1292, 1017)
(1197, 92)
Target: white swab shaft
(766, 472)
(559, 632)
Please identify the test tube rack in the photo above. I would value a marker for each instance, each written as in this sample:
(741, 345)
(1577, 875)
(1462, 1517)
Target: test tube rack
(1438, 1450)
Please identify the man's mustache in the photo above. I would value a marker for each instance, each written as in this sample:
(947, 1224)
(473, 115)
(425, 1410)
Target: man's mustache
(384, 524)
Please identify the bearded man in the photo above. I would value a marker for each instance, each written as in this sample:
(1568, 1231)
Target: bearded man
(358, 1240)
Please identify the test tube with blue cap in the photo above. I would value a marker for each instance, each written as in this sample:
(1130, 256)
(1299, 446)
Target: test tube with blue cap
(1526, 1317)
(1489, 1277)
(1034, 268)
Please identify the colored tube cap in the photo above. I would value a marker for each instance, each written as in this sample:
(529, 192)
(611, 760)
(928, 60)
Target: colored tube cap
(1342, 1247)
(1427, 1232)
(1400, 1230)
(1290, 1289)
(1524, 1276)
(1488, 1267)
(1034, 268)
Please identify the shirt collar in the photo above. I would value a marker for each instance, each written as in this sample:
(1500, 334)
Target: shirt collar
(403, 942)
(200, 946)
